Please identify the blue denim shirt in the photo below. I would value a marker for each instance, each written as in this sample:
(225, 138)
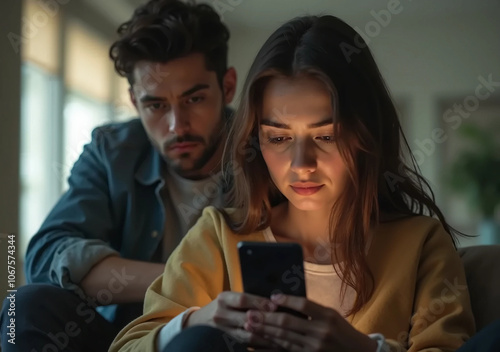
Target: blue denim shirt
(113, 206)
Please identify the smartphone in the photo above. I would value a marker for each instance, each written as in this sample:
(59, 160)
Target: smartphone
(269, 268)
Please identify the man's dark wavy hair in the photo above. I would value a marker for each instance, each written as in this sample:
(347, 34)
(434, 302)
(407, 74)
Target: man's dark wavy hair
(162, 30)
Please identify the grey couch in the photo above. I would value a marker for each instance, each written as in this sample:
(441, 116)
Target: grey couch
(482, 268)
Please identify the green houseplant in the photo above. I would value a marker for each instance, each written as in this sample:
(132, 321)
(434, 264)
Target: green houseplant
(475, 173)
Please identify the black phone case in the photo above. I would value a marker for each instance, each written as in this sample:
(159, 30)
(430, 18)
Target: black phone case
(269, 268)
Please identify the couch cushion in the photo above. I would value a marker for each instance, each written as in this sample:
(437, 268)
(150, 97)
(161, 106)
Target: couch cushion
(482, 268)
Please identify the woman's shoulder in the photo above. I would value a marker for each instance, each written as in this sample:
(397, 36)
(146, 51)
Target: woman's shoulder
(219, 216)
(218, 222)
(404, 241)
(405, 220)
(213, 218)
(410, 228)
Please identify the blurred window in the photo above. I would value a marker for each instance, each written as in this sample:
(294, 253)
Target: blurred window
(69, 87)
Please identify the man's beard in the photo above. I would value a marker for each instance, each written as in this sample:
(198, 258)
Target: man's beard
(211, 147)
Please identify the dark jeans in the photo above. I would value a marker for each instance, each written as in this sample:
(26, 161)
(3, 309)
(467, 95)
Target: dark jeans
(52, 319)
(209, 339)
(486, 340)
(204, 338)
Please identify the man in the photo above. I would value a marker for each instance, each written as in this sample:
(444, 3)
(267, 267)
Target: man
(137, 187)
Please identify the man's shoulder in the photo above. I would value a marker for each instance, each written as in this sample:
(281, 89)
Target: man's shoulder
(128, 134)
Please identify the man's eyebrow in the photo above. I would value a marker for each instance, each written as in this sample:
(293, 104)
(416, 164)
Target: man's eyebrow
(147, 98)
(269, 122)
(195, 89)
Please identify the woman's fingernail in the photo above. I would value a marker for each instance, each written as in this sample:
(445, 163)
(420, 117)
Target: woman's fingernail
(270, 307)
(248, 327)
(255, 317)
(278, 298)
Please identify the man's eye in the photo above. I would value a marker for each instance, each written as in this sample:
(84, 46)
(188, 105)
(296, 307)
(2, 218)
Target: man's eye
(194, 100)
(157, 106)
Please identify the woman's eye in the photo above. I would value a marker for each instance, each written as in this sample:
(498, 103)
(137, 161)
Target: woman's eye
(277, 140)
(327, 139)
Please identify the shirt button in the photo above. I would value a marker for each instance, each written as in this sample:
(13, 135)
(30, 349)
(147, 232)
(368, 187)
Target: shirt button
(154, 234)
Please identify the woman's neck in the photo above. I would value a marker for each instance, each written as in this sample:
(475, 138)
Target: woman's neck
(309, 228)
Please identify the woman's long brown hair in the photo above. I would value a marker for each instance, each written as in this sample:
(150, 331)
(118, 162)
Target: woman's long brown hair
(368, 135)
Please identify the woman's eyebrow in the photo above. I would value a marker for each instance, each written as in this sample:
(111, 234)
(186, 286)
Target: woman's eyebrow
(325, 122)
(271, 123)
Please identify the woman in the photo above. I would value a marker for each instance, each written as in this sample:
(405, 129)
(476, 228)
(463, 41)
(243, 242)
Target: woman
(316, 159)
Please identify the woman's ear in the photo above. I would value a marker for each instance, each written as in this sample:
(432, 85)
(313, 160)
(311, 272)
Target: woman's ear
(229, 85)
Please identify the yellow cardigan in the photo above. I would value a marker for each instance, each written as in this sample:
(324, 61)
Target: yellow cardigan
(420, 300)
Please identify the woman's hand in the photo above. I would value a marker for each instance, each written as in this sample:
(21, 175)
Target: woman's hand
(326, 330)
(228, 312)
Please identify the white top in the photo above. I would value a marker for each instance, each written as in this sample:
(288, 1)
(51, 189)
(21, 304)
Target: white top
(323, 284)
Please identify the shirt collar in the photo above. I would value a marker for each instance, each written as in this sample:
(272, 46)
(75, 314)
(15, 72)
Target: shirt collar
(149, 171)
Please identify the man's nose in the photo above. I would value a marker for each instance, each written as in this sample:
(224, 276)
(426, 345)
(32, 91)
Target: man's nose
(304, 158)
(178, 121)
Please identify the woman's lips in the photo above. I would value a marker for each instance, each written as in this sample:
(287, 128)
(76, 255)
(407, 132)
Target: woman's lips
(306, 188)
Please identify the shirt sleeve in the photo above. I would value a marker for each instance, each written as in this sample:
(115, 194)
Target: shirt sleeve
(75, 235)
(194, 275)
(442, 318)
(172, 328)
